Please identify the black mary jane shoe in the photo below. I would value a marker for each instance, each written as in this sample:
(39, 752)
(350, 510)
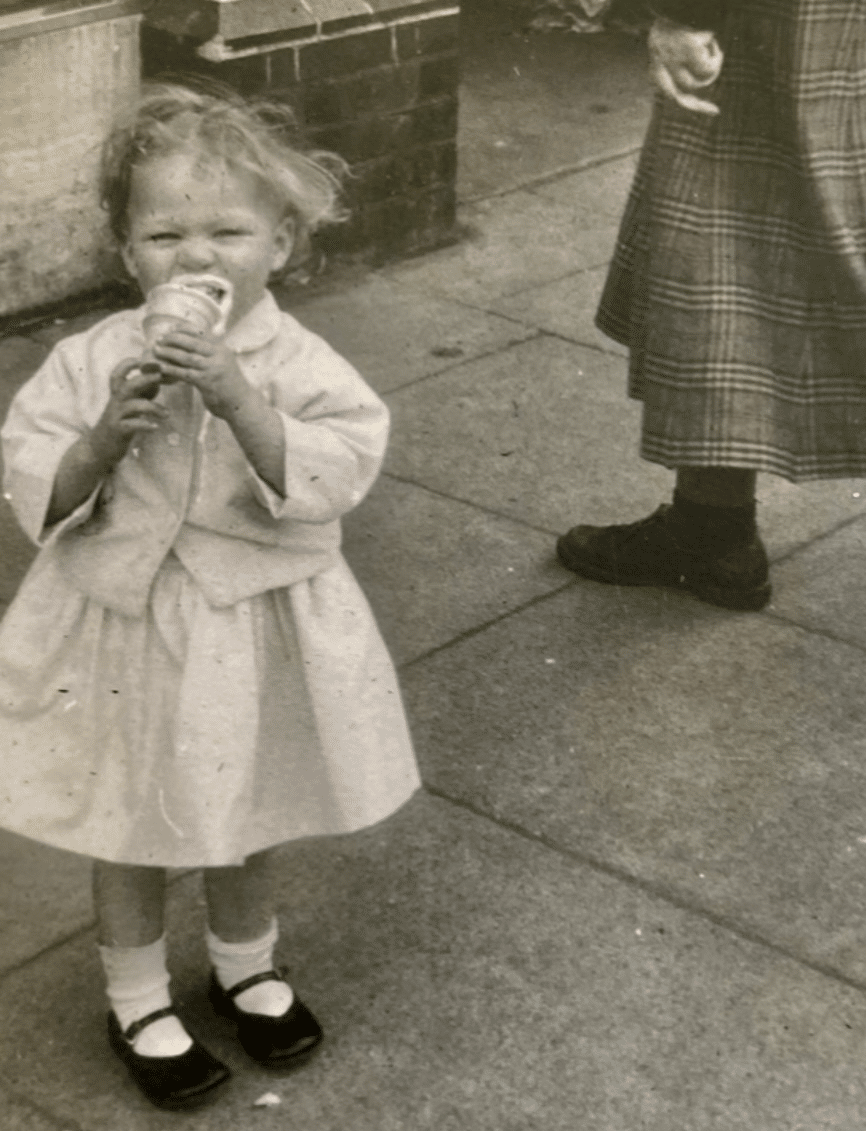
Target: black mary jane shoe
(286, 1041)
(174, 1083)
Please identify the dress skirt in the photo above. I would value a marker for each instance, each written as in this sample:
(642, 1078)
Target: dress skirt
(739, 279)
(193, 735)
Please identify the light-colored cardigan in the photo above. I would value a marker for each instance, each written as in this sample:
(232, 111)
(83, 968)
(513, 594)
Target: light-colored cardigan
(188, 487)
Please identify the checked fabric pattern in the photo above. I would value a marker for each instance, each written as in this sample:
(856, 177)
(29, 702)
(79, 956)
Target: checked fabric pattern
(739, 278)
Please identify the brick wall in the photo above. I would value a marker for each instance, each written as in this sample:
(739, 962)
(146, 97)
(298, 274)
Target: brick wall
(374, 80)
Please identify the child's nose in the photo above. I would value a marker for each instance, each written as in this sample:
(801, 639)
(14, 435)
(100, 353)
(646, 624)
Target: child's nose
(195, 254)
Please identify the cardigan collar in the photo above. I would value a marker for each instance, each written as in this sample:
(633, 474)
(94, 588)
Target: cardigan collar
(257, 328)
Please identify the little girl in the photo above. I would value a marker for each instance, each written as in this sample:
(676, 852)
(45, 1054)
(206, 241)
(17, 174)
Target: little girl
(189, 674)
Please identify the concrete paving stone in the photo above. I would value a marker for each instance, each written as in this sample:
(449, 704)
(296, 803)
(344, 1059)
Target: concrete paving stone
(393, 340)
(19, 1114)
(532, 103)
(45, 896)
(468, 978)
(542, 432)
(511, 243)
(791, 515)
(566, 307)
(16, 551)
(19, 360)
(719, 757)
(545, 433)
(425, 587)
(821, 587)
(603, 187)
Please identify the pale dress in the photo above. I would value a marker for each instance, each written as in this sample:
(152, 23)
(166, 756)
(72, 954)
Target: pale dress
(201, 731)
(196, 736)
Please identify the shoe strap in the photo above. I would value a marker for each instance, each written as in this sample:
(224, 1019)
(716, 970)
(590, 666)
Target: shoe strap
(255, 980)
(136, 1027)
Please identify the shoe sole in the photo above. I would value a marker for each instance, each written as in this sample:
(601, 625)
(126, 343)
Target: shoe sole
(186, 1103)
(723, 597)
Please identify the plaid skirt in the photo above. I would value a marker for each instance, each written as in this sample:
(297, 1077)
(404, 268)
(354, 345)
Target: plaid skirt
(739, 278)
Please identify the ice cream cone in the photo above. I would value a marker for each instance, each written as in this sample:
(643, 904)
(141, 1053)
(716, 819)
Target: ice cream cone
(203, 301)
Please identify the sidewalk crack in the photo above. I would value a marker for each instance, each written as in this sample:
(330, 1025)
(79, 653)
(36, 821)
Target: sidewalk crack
(655, 890)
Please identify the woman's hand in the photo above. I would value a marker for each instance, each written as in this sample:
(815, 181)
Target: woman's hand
(683, 61)
(130, 409)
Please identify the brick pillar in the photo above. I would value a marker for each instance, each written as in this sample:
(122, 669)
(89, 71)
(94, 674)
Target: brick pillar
(374, 80)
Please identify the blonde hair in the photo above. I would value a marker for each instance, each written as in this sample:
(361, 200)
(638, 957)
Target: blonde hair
(257, 137)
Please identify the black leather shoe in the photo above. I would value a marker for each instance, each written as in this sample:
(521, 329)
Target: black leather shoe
(170, 1082)
(652, 551)
(287, 1041)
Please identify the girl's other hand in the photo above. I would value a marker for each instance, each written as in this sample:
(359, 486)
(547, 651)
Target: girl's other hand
(129, 410)
(683, 61)
(201, 359)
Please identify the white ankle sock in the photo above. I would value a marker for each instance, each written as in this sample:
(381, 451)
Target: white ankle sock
(138, 985)
(232, 962)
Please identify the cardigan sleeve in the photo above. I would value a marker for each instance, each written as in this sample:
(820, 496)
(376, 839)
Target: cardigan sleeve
(334, 443)
(44, 420)
(706, 15)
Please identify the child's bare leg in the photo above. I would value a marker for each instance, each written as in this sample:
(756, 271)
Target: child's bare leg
(243, 932)
(130, 903)
(240, 900)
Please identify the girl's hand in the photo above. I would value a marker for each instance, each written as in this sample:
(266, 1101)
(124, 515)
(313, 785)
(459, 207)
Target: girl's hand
(93, 456)
(201, 359)
(683, 61)
(129, 410)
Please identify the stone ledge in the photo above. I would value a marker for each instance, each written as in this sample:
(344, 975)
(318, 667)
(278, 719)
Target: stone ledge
(238, 20)
(23, 23)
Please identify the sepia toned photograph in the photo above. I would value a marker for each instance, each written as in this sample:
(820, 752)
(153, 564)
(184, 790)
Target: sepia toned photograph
(432, 638)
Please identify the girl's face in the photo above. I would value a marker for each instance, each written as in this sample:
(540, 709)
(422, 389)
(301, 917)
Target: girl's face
(188, 216)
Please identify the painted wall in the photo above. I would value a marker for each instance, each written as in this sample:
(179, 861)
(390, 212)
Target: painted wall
(59, 89)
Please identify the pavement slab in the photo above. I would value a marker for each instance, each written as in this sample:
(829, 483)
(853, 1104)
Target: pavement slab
(601, 187)
(821, 587)
(716, 757)
(544, 433)
(468, 978)
(45, 896)
(566, 307)
(393, 340)
(427, 588)
(18, 552)
(512, 243)
(531, 102)
(19, 358)
(19, 1113)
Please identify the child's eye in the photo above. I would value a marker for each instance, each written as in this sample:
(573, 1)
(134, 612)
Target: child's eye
(230, 232)
(162, 237)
